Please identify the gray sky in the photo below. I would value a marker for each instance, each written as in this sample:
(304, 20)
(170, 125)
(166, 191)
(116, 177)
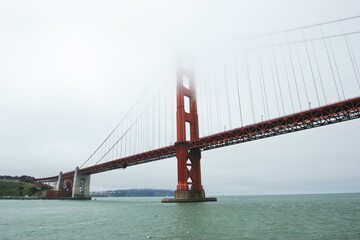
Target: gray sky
(69, 69)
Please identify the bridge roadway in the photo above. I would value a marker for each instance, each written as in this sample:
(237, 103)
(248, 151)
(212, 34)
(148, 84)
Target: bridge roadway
(321, 116)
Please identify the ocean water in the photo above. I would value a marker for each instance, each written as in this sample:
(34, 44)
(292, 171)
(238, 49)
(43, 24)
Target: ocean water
(327, 216)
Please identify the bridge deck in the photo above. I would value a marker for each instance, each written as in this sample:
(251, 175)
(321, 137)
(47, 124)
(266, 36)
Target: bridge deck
(329, 114)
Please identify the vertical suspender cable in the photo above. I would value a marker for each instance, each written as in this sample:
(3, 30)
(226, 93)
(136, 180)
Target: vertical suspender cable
(165, 123)
(227, 92)
(208, 103)
(217, 102)
(153, 127)
(127, 131)
(331, 67)
(351, 55)
(318, 69)
(273, 81)
(96, 152)
(130, 135)
(117, 146)
(263, 83)
(159, 121)
(200, 98)
(173, 106)
(310, 65)
(277, 75)
(238, 90)
(146, 125)
(112, 151)
(250, 88)
(287, 79)
(121, 142)
(293, 71)
(261, 88)
(302, 75)
(336, 68)
(136, 143)
(126, 138)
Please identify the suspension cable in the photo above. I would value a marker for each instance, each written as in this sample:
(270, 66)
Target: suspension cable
(331, 67)
(311, 68)
(336, 68)
(227, 93)
(318, 69)
(287, 79)
(127, 130)
(121, 121)
(238, 90)
(217, 102)
(263, 82)
(250, 88)
(302, 75)
(353, 61)
(277, 76)
(262, 90)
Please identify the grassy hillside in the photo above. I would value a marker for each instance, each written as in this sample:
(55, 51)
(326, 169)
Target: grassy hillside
(16, 188)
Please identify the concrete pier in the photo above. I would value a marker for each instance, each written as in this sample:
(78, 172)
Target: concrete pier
(81, 185)
(189, 196)
(59, 182)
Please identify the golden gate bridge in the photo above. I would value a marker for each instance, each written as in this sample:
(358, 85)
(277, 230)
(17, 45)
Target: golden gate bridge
(235, 92)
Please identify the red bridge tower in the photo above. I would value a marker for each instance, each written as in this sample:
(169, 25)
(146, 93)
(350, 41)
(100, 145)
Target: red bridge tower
(189, 188)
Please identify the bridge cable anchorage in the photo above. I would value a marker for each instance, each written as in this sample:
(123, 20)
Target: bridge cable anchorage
(293, 71)
(331, 67)
(351, 55)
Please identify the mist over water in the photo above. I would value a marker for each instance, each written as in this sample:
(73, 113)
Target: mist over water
(328, 216)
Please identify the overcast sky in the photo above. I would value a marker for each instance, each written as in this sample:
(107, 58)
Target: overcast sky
(69, 69)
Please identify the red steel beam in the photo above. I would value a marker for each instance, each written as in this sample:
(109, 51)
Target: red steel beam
(154, 155)
(330, 114)
(333, 113)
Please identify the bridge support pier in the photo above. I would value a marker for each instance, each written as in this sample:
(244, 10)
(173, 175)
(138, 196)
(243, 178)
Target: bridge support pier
(59, 182)
(189, 188)
(81, 186)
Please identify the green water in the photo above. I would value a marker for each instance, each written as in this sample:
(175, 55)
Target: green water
(331, 216)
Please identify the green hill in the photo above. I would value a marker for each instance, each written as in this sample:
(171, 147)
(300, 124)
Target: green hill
(17, 188)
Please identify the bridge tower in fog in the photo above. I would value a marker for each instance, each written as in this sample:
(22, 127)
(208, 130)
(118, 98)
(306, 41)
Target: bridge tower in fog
(189, 187)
